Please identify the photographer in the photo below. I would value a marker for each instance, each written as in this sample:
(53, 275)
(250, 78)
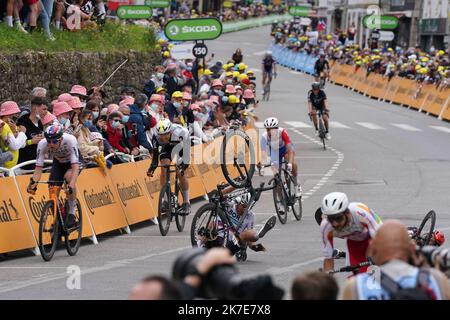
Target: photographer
(392, 250)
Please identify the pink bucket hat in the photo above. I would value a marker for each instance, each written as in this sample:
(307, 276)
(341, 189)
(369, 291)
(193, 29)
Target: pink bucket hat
(214, 99)
(230, 89)
(65, 97)
(75, 103)
(217, 83)
(96, 135)
(187, 96)
(61, 107)
(112, 108)
(8, 108)
(78, 90)
(157, 97)
(126, 102)
(195, 107)
(48, 118)
(248, 94)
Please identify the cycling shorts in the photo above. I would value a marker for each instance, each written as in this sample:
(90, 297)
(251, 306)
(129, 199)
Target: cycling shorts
(59, 170)
(269, 72)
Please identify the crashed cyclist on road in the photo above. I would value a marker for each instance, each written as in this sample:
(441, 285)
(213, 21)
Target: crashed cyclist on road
(353, 221)
(172, 140)
(240, 234)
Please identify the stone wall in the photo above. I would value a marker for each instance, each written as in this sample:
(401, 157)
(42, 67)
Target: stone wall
(57, 72)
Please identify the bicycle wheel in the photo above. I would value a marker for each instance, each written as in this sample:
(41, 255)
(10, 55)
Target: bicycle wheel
(426, 225)
(294, 202)
(48, 231)
(206, 227)
(179, 219)
(164, 210)
(322, 132)
(318, 216)
(238, 150)
(279, 200)
(72, 238)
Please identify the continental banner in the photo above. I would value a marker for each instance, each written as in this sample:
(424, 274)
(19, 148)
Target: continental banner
(100, 200)
(209, 177)
(15, 230)
(35, 203)
(133, 198)
(152, 185)
(196, 187)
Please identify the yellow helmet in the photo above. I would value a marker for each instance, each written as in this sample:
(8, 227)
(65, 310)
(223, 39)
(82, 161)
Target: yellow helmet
(236, 74)
(359, 62)
(441, 52)
(207, 72)
(170, 46)
(242, 66)
(232, 99)
(161, 41)
(225, 67)
(166, 54)
(250, 72)
(177, 94)
(425, 59)
(158, 90)
(230, 65)
(329, 37)
(423, 70)
(229, 74)
(440, 68)
(390, 50)
(242, 77)
(418, 67)
(157, 47)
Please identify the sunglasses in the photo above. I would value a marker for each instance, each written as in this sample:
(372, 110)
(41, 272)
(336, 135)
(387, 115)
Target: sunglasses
(53, 141)
(337, 218)
(116, 120)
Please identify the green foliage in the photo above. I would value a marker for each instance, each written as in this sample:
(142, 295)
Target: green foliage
(114, 37)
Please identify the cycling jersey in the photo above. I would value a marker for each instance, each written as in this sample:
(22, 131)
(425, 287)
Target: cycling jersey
(268, 63)
(362, 226)
(317, 101)
(277, 142)
(321, 65)
(67, 152)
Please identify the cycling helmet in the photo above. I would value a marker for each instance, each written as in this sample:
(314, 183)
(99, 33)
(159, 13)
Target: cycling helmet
(268, 52)
(334, 203)
(439, 237)
(271, 123)
(243, 199)
(315, 85)
(164, 126)
(53, 132)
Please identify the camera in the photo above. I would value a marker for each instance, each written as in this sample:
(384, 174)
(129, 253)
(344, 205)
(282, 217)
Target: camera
(224, 281)
(430, 253)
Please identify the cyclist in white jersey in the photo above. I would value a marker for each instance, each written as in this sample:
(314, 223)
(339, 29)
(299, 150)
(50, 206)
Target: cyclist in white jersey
(353, 221)
(63, 149)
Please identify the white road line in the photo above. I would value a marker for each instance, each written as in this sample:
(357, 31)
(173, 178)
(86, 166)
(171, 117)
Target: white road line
(292, 267)
(338, 125)
(297, 124)
(259, 53)
(109, 265)
(370, 126)
(406, 127)
(444, 129)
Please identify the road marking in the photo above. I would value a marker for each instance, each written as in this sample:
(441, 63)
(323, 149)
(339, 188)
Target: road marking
(370, 126)
(34, 267)
(338, 125)
(444, 129)
(292, 267)
(406, 127)
(295, 72)
(297, 124)
(109, 265)
(259, 53)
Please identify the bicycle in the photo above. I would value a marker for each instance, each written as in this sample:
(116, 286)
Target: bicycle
(353, 268)
(237, 143)
(211, 225)
(322, 80)
(168, 204)
(423, 239)
(53, 216)
(284, 193)
(266, 88)
(321, 126)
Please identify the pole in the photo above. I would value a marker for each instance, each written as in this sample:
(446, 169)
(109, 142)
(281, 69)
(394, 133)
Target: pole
(113, 73)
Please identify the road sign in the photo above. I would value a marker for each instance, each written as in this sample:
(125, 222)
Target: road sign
(193, 29)
(380, 22)
(199, 50)
(182, 51)
(134, 12)
(305, 21)
(157, 3)
(386, 36)
(299, 11)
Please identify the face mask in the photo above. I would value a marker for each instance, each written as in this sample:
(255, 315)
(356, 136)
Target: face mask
(63, 121)
(160, 75)
(195, 113)
(83, 105)
(154, 107)
(229, 81)
(115, 125)
(219, 92)
(125, 119)
(186, 104)
(95, 114)
(177, 104)
(224, 99)
(88, 123)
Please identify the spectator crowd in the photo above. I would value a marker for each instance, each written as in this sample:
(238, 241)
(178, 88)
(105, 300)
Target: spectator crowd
(203, 98)
(432, 67)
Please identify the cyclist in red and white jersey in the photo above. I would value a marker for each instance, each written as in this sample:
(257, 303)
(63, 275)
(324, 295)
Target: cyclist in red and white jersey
(277, 143)
(353, 221)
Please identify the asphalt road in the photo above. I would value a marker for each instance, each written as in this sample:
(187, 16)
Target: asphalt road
(397, 161)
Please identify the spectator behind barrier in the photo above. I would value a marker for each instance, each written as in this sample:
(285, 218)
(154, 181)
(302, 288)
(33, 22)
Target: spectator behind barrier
(12, 136)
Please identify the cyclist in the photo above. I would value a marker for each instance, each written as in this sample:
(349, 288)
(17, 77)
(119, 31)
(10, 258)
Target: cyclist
(277, 139)
(63, 148)
(317, 100)
(321, 67)
(172, 140)
(268, 67)
(240, 234)
(353, 221)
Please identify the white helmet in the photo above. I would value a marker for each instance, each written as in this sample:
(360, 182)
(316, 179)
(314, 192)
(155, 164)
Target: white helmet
(243, 198)
(334, 203)
(268, 52)
(271, 123)
(164, 126)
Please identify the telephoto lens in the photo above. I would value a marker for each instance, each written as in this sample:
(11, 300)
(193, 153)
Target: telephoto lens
(432, 252)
